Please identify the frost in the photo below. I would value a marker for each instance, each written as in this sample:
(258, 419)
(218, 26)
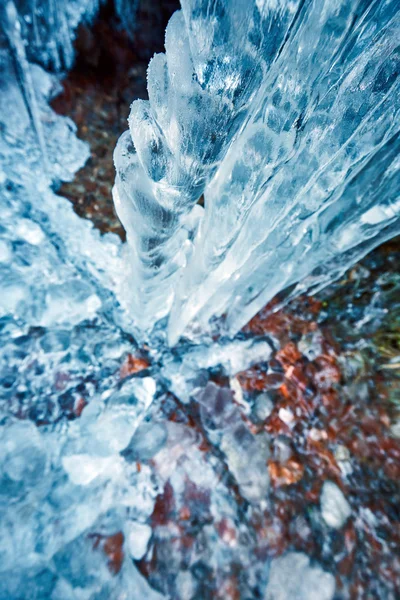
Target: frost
(285, 117)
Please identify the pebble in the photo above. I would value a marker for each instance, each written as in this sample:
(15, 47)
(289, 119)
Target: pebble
(334, 507)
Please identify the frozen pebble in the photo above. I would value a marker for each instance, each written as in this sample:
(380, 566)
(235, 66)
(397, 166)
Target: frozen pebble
(334, 507)
(138, 539)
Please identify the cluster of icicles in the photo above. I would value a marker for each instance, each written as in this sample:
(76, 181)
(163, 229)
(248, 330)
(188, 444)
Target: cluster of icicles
(282, 117)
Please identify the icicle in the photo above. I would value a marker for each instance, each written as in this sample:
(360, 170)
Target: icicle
(11, 26)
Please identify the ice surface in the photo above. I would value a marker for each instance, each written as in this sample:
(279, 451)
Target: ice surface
(63, 481)
(48, 27)
(82, 459)
(285, 117)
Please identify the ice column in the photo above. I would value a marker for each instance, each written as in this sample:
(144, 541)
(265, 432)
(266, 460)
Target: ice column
(282, 203)
(285, 117)
(201, 94)
(11, 28)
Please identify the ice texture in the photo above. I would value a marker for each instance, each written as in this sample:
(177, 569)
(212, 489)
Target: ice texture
(84, 452)
(334, 507)
(284, 117)
(49, 27)
(292, 576)
(66, 494)
(102, 466)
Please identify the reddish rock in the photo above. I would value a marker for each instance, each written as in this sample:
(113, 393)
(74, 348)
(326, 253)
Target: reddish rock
(287, 473)
(133, 364)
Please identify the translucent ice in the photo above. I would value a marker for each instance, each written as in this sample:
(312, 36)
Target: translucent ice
(65, 411)
(277, 113)
(285, 117)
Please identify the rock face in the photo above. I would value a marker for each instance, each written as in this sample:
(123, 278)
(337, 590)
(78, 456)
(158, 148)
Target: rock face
(292, 577)
(334, 507)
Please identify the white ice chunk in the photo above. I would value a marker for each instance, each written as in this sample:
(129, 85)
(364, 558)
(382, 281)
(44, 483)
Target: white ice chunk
(138, 539)
(335, 508)
(293, 577)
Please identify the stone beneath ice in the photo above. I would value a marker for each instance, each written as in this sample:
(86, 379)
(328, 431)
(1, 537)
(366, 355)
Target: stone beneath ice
(148, 439)
(334, 507)
(292, 577)
(263, 406)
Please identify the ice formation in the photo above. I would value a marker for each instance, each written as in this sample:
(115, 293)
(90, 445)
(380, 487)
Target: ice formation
(110, 471)
(285, 117)
(48, 27)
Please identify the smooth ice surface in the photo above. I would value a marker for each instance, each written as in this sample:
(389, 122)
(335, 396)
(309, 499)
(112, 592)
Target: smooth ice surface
(285, 117)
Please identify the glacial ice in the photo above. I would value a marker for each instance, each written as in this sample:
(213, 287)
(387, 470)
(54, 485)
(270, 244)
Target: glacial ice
(285, 117)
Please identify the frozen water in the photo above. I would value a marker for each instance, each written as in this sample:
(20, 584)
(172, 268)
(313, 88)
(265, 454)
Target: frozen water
(285, 116)
(138, 539)
(63, 481)
(100, 467)
(82, 463)
(48, 27)
(334, 507)
(292, 576)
